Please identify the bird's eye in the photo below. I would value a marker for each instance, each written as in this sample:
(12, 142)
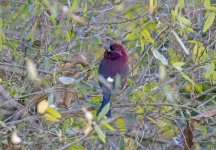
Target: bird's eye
(111, 48)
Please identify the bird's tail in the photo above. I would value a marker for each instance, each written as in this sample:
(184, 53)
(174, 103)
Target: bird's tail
(105, 101)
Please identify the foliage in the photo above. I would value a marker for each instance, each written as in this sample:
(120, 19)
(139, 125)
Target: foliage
(49, 53)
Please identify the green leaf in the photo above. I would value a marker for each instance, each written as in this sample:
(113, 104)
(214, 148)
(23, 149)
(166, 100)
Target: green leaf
(198, 52)
(100, 134)
(147, 36)
(204, 131)
(120, 125)
(104, 111)
(122, 144)
(210, 70)
(108, 126)
(50, 118)
(186, 77)
(160, 57)
(130, 36)
(184, 20)
(209, 21)
(154, 121)
(178, 64)
(1, 23)
(53, 112)
(85, 9)
(76, 147)
(207, 5)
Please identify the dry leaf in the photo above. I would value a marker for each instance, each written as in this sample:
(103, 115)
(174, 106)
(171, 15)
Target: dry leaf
(69, 97)
(188, 136)
(204, 115)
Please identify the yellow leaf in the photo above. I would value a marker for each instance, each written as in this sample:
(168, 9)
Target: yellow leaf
(50, 118)
(207, 5)
(147, 36)
(152, 5)
(130, 37)
(42, 106)
(209, 21)
(120, 125)
(53, 112)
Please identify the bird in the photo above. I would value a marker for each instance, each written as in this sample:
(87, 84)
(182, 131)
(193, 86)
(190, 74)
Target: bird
(113, 64)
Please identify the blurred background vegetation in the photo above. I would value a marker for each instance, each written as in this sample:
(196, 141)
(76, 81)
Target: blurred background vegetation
(49, 54)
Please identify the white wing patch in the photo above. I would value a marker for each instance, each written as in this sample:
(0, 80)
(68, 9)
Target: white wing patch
(110, 80)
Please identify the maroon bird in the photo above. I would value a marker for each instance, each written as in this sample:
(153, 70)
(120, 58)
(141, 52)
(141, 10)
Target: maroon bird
(114, 62)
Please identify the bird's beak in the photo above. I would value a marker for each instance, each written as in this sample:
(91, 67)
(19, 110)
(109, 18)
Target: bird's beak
(106, 47)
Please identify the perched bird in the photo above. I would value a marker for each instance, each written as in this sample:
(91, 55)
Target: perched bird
(113, 64)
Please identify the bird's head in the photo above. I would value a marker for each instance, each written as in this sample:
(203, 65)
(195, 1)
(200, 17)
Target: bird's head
(115, 51)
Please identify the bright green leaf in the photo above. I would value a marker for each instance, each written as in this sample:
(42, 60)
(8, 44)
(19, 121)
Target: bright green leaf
(209, 21)
(53, 112)
(178, 64)
(104, 111)
(184, 20)
(108, 126)
(50, 118)
(147, 36)
(85, 9)
(207, 5)
(130, 36)
(120, 125)
(100, 134)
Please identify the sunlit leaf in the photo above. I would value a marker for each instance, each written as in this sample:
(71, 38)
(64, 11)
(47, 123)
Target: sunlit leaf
(76, 147)
(120, 125)
(152, 5)
(198, 88)
(130, 36)
(154, 121)
(100, 134)
(159, 56)
(207, 5)
(180, 42)
(108, 126)
(104, 111)
(42, 106)
(209, 21)
(210, 70)
(198, 52)
(66, 80)
(51, 118)
(85, 9)
(186, 77)
(184, 20)
(178, 64)
(53, 112)
(146, 34)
